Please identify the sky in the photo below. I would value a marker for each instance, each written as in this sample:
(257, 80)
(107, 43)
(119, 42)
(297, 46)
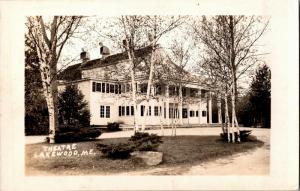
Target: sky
(95, 29)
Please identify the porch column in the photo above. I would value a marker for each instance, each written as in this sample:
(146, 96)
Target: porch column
(210, 107)
(180, 107)
(199, 106)
(167, 104)
(219, 109)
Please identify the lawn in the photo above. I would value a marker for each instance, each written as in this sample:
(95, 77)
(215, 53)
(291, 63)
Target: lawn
(178, 151)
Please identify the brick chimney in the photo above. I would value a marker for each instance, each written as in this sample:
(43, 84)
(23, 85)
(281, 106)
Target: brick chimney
(104, 51)
(84, 56)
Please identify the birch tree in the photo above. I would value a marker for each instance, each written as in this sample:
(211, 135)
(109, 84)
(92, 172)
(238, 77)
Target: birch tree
(233, 40)
(49, 39)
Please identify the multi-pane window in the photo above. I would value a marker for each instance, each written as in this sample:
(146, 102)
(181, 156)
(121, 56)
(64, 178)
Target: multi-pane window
(193, 92)
(197, 113)
(132, 110)
(184, 113)
(127, 111)
(107, 112)
(155, 111)
(171, 114)
(158, 90)
(203, 113)
(192, 113)
(112, 88)
(128, 89)
(123, 110)
(107, 88)
(116, 89)
(119, 88)
(103, 87)
(149, 111)
(98, 87)
(102, 111)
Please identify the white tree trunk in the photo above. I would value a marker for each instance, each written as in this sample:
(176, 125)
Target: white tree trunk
(227, 117)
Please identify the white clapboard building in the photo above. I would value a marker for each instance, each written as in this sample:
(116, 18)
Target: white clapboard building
(106, 85)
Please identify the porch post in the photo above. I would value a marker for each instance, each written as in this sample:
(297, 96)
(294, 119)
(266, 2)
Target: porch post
(210, 107)
(167, 104)
(199, 106)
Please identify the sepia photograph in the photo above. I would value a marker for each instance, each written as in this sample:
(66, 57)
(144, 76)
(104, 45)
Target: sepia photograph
(152, 95)
(147, 95)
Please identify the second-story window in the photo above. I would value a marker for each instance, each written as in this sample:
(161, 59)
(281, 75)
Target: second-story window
(98, 87)
(183, 91)
(112, 88)
(127, 111)
(155, 110)
(107, 88)
(184, 113)
(132, 110)
(103, 87)
(107, 114)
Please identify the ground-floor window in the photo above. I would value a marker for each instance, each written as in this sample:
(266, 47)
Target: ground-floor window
(132, 110)
(184, 113)
(149, 111)
(197, 113)
(155, 110)
(107, 112)
(142, 110)
(102, 111)
(203, 113)
(127, 111)
(192, 113)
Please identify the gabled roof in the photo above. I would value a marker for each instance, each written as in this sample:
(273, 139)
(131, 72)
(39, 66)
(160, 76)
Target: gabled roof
(71, 73)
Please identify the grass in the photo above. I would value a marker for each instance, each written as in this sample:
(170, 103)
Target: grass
(177, 151)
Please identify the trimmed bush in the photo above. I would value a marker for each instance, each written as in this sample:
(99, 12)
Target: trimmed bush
(244, 136)
(145, 141)
(111, 127)
(137, 142)
(116, 151)
(76, 135)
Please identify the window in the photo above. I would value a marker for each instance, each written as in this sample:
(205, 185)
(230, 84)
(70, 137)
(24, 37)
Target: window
(193, 92)
(123, 110)
(103, 87)
(127, 111)
(203, 93)
(112, 88)
(203, 113)
(107, 112)
(116, 89)
(128, 89)
(165, 113)
(155, 111)
(102, 111)
(176, 113)
(184, 113)
(183, 92)
(94, 86)
(120, 111)
(142, 110)
(107, 88)
(192, 113)
(197, 113)
(149, 111)
(143, 88)
(132, 110)
(98, 87)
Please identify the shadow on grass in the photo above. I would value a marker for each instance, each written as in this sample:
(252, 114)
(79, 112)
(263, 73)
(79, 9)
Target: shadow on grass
(177, 151)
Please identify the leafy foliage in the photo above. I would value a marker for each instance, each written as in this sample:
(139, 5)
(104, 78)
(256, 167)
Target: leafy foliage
(260, 96)
(145, 141)
(138, 142)
(116, 151)
(72, 108)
